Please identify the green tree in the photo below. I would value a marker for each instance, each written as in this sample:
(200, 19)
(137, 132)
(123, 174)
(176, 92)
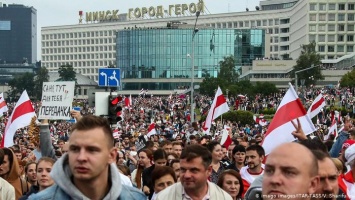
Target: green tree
(21, 83)
(42, 76)
(348, 80)
(209, 85)
(265, 88)
(308, 57)
(67, 73)
(227, 71)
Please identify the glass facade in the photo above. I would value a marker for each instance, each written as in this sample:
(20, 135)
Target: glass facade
(165, 55)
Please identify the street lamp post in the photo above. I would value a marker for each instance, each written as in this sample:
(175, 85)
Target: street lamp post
(195, 30)
(302, 70)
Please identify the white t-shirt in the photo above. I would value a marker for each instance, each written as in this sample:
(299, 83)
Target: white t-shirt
(125, 180)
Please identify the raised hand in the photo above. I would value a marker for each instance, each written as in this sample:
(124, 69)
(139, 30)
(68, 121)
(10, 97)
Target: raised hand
(298, 133)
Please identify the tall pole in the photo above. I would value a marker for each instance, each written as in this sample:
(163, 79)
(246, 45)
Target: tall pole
(192, 107)
(302, 70)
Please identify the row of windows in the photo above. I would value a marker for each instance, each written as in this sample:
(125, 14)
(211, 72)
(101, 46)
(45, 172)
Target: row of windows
(79, 65)
(338, 48)
(332, 38)
(77, 57)
(78, 49)
(332, 17)
(77, 42)
(331, 27)
(78, 35)
(248, 24)
(331, 6)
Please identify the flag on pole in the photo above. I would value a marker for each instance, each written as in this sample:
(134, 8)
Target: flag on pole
(226, 139)
(332, 130)
(316, 106)
(21, 116)
(151, 130)
(127, 102)
(218, 107)
(281, 127)
(3, 105)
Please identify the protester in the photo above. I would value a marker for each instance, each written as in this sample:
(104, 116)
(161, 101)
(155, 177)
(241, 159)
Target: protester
(195, 162)
(30, 171)
(175, 165)
(162, 177)
(7, 190)
(217, 167)
(238, 155)
(346, 181)
(254, 156)
(88, 170)
(145, 161)
(43, 169)
(289, 175)
(343, 136)
(9, 170)
(231, 182)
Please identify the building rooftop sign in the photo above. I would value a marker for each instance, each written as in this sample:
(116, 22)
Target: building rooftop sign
(144, 12)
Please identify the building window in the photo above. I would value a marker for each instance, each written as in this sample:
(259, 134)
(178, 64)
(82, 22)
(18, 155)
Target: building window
(270, 31)
(330, 48)
(235, 24)
(240, 24)
(322, 6)
(331, 27)
(340, 38)
(341, 17)
(246, 23)
(331, 17)
(321, 48)
(276, 48)
(321, 38)
(276, 30)
(350, 17)
(271, 22)
(265, 22)
(312, 6)
(322, 17)
(277, 21)
(331, 38)
(312, 38)
(350, 48)
(321, 28)
(340, 48)
(341, 27)
(350, 38)
(350, 27)
(351, 6)
(312, 17)
(341, 6)
(312, 28)
(331, 6)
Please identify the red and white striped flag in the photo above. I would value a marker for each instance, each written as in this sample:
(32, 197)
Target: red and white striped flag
(332, 130)
(21, 116)
(3, 105)
(316, 106)
(151, 130)
(128, 101)
(226, 139)
(281, 127)
(260, 120)
(218, 107)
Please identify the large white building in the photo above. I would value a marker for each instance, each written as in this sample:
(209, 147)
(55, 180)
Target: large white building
(289, 23)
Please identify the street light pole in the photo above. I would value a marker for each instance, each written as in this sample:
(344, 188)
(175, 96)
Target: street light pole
(302, 70)
(192, 107)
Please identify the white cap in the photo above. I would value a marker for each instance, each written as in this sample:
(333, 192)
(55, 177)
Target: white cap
(350, 154)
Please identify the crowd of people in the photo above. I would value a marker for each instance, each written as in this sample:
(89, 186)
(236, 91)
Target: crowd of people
(92, 159)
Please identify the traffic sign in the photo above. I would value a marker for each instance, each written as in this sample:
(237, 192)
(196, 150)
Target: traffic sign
(109, 77)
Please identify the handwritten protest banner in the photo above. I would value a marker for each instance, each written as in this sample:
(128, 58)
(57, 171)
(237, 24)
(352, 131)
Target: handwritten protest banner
(57, 99)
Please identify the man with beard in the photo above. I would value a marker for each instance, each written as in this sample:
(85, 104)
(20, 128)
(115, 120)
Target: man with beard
(328, 188)
(254, 156)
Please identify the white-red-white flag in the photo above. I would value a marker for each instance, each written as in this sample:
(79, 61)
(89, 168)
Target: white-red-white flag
(226, 139)
(332, 130)
(130, 100)
(151, 130)
(21, 116)
(281, 127)
(218, 107)
(260, 120)
(3, 105)
(316, 106)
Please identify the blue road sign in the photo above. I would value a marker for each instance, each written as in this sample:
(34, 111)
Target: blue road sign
(109, 77)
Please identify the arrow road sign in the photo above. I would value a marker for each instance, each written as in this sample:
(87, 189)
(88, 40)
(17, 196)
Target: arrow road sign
(109, 77)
